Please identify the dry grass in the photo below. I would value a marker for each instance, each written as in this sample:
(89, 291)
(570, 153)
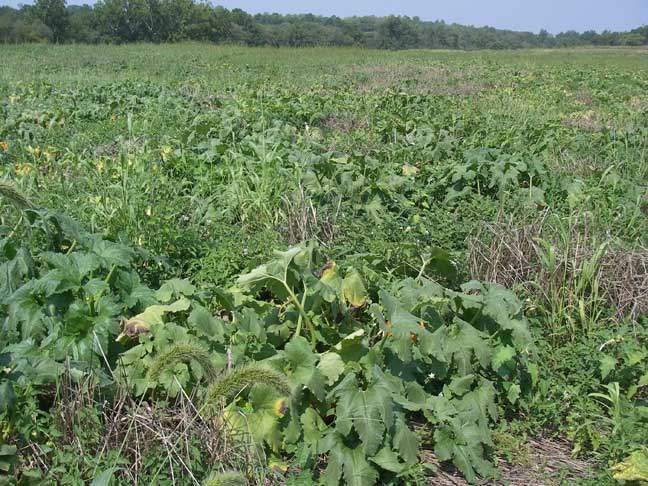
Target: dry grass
(113, 149)
(546, 462)
(625, 277)
(512, 255)
(425, 80)
(173, 433)
(344, 123)
(302, 221)
(588, 121)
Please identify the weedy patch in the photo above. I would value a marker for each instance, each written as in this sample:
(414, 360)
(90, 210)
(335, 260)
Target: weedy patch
(260, 265)
(570, 270)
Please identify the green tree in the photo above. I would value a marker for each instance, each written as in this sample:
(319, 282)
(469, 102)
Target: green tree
(55, 16)
(396, 33)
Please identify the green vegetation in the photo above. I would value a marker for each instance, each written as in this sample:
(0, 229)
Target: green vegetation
(322, 266)
(116, 21)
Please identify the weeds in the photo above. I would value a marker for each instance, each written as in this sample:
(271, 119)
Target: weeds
(221, 264)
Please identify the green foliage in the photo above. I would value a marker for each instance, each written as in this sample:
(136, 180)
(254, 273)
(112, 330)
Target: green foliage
(188, 167)
(174, 20)
(63, 302)
(365, 368)
(491, 172)
(228, 478)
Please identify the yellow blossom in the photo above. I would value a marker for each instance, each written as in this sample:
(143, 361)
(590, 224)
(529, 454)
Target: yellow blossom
(22, 169)
(33, 150)
(4, 146)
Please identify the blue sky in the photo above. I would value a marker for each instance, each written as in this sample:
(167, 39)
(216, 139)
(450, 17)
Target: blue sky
(554, 15)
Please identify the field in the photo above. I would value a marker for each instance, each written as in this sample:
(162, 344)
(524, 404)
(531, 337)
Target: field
(224, 265)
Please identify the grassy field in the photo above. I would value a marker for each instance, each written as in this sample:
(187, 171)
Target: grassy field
(322, 266)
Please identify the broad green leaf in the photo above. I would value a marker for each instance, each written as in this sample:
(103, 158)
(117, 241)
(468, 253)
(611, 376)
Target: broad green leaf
(606, 365)
(364, 410)
(406, 442)
(104, 478)
(403, 326)
(352, 347)
(201, 319)
(464, 344)
(313, 426)
(303, 366)
(332, 366)
(388, 460)
(513, 392)
(643, 381)
(461, 385)
(331, 282)
(443, 443)
(154, 314)
(357, 471)
(113, 254)
(175, 289)
(7, 396)
(502, 361)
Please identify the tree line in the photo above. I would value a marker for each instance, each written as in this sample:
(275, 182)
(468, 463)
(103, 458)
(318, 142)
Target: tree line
(123, 21)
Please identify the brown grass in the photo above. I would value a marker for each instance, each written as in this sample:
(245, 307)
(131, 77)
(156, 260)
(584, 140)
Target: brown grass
(93, 426)
(424, 80)
(344, 123)
(546, 462)
(509, 254)
(303, 222)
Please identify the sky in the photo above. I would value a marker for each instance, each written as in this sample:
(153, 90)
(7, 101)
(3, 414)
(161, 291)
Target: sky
(527, 15)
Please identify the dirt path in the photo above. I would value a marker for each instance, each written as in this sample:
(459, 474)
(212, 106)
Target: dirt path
(548, 463)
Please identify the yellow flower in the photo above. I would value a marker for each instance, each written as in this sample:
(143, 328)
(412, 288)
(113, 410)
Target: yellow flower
(33, 150)
(4, 146)
(166, 151)
(99, 165)
(13, 99)
(22, 169)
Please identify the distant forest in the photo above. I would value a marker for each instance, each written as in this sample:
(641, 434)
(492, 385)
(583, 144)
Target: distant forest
(122, 21)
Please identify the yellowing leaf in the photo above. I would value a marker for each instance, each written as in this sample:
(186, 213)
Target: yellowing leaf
(154, 313)
(353, 289)
(410, 170)
(634, 468)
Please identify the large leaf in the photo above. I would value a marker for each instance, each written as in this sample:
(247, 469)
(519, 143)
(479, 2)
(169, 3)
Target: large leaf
(367, 411)
(303, 366)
